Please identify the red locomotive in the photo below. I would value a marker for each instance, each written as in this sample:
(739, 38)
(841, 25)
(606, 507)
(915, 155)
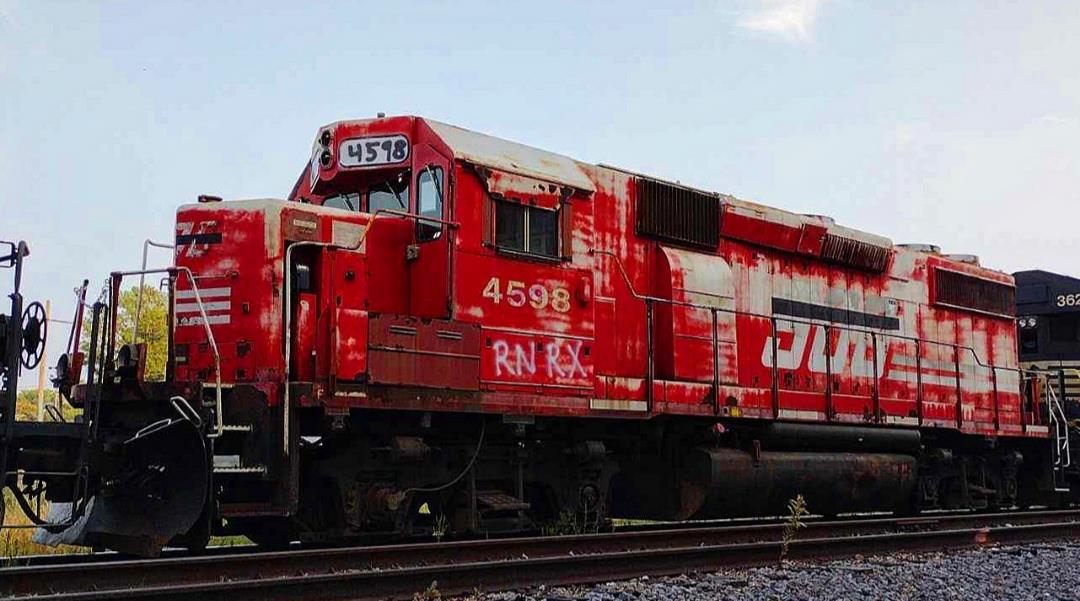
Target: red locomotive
(442, 330)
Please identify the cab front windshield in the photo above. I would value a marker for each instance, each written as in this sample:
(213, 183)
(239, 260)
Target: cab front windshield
(382, 193)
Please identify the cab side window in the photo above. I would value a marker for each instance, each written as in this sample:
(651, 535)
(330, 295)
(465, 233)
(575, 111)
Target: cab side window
(429, 186)
(526, 229)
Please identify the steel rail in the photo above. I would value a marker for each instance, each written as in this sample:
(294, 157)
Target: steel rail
(67, 559)
(746, 524)
(400, 570)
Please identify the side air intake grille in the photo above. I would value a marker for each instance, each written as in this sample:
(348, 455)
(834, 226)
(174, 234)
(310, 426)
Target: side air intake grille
(677, 214)
(967, 292)
(855, 253)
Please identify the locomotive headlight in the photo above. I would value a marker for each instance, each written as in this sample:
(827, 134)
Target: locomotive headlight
(326, 158)
(325, 138)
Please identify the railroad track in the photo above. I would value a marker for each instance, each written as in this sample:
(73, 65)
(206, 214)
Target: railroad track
(172, 552)
(398, 571)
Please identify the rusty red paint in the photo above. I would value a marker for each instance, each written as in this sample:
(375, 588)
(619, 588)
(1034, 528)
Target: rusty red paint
(486, 324)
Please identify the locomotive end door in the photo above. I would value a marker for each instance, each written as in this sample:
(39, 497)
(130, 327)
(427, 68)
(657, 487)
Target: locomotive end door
(429, 257)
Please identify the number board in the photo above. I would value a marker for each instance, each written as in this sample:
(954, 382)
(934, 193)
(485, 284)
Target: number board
(1068, 300)
(373, 150)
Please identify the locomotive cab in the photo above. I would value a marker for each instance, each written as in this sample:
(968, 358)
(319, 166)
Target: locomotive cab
(309, 301)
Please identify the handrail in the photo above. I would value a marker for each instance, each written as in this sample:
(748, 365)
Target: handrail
(1057, 415)
(186, 411)
(1063, 458)
(219, 424)
(792, 319)
(979, 362)
(142, 278)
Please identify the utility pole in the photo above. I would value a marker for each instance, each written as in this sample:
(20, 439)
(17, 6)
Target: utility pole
(41, 369)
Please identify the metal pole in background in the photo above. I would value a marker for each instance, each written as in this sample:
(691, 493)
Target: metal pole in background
(41, 369)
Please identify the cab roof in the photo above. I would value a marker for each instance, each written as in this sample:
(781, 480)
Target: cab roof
(504, 155)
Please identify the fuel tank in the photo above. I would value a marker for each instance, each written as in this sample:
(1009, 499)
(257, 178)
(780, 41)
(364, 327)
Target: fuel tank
(714, 483)
(718, 483)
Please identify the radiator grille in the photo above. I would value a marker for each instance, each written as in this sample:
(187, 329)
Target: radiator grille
(855, 253)
(677, 214)
(960, 290)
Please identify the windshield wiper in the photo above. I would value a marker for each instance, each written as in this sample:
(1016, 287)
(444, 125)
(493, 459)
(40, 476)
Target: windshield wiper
(435, 180)
(400, 202)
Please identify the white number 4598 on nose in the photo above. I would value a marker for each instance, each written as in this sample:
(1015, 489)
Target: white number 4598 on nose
(373, 150)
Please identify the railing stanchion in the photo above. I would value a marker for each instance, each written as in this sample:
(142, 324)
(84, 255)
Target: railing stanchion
(775, 372)
(875, 390)
(959, 389)
(650, 367)
(918, 381)
(830, 412)
(715, 365)
(997, 410)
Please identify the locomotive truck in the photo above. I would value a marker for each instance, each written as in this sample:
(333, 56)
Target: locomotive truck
(442, 331)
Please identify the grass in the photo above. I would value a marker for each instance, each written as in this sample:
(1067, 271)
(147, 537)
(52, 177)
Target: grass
(565, 524)
(796, 512)
(229, 541)
(431, 593)
(16, 542)
(623, 522)
(440, 528)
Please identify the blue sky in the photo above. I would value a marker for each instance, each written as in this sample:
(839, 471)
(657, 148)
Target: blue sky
(954, 123)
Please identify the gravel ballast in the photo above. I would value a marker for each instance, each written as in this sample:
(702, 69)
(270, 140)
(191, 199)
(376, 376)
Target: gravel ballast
(1044, 571)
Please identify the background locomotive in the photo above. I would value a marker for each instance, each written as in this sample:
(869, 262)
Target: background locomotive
(441, 331)
(1048, 309)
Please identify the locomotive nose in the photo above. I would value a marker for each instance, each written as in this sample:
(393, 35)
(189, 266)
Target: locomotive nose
(157, 494)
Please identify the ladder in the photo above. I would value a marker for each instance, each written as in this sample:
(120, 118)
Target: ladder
(1060, 426)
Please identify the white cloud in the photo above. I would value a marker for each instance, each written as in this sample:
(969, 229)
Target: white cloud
(791, 20)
